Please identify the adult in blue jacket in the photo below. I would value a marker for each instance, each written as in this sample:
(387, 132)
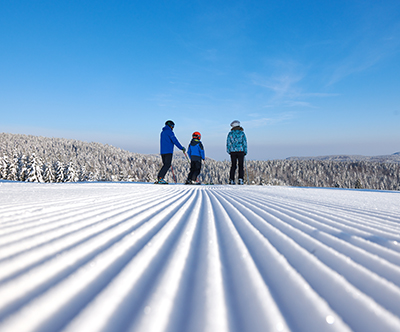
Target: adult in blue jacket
(167, 142)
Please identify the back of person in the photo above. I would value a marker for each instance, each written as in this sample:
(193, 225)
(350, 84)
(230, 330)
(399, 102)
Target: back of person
(167, 142)
(196, 148)
(236, 140)
(236, 146)
(196, 154)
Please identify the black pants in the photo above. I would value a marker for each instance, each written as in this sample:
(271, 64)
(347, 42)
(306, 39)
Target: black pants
(237, 158)
(195, 167)
(167, 160)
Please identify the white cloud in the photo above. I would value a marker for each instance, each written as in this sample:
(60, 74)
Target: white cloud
(287, 91)
(282, 86)
(265, 121)
(375, 40)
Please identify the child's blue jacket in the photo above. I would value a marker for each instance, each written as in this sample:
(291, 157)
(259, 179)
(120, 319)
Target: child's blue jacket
(196, 150)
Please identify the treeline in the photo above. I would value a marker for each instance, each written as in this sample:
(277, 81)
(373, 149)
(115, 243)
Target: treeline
(40, 159)
(312, 173)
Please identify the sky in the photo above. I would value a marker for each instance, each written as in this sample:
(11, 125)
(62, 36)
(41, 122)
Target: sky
(304, 78)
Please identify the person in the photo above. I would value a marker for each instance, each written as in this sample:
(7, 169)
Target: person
(236, 146)
(167, 142)
(196, 155)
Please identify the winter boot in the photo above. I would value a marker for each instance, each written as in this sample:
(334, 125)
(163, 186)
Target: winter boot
(231, 182)
(188, 181)
(240, 181)
(161, 181)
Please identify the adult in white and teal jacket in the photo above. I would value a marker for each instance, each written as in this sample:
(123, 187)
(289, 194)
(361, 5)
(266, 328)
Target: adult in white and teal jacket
(236, 146)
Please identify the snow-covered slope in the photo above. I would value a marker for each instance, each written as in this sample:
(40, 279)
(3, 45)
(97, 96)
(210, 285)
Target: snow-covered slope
(142, 257)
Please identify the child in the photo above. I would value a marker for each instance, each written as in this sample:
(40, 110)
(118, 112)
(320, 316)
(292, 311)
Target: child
(196, 154)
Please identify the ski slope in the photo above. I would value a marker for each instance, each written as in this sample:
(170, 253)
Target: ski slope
(144, 257)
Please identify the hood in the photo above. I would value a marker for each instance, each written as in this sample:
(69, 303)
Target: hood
(167, 128)
(194, 141)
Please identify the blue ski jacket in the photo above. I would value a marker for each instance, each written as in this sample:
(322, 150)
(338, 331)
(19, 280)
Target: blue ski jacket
(167, 141)
(236, 141)
(196, 150)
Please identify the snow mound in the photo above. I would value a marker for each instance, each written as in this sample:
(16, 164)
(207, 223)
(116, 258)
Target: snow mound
(142, 257)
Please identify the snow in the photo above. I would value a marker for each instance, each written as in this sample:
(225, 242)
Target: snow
(144, 257)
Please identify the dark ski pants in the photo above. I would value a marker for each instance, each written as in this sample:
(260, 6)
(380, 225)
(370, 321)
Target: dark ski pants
(236, 158)
(195, 167)
(167, 160)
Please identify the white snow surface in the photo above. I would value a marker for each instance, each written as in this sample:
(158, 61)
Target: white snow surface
(145, 257)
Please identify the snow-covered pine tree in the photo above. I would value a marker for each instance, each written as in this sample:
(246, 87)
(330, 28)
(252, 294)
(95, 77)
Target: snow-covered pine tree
(70, 173)
(22, 168)
(59, 172)
(34, 170)
(82, 174)
(12, 173)
(3, 167)
(48, 174)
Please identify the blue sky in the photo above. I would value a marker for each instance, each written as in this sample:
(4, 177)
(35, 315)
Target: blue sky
(305, 78)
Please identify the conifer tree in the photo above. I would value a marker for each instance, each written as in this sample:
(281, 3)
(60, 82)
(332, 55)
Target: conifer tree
(70, 173)
(4, 167)
(22, 168)
(48, 174)
(59, 172)
(12, 173)
(33, 170)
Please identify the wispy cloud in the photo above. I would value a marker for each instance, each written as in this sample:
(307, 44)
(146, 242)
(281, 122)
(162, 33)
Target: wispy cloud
(264, 121)
(282, 86)
(361, 58)
(286, 90)
(286, 93)
(375, 40)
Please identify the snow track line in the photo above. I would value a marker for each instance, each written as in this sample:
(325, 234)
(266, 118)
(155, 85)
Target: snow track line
(347, 219)
(78, 205)
(357, 275)
(53, 273)
(126, 221)
(74, 219)
(128, 294)
(276, 271)
(255, 299)
(140, 257)
(52, 222)
(310, 197)
(370, 256)
(336, 224)
(342, 206)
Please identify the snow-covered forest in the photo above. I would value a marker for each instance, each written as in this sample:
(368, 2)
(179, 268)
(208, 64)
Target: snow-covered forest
(40, 159)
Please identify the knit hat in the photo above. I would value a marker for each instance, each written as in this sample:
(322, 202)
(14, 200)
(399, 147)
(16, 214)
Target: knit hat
(235, 123)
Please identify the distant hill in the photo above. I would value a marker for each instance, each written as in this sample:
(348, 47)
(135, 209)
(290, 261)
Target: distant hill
(393, 158)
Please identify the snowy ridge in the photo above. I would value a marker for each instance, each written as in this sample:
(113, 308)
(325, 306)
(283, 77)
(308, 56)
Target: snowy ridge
(392, 158)
(141, 257)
